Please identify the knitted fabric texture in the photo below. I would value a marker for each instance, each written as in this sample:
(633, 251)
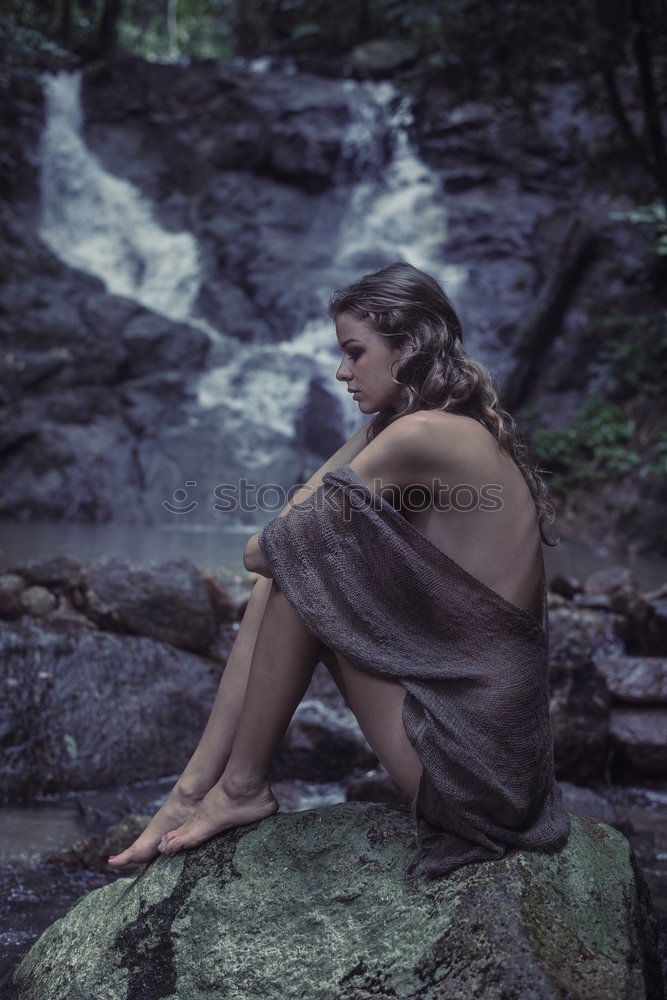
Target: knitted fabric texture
(370, 586)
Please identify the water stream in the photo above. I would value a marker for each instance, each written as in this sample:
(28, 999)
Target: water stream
(103, 225)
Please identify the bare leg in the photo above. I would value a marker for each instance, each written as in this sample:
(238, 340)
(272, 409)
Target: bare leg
(282, 665)
(377, 704)
(210, 757)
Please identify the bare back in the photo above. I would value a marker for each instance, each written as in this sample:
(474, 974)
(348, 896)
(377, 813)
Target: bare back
(501, 547)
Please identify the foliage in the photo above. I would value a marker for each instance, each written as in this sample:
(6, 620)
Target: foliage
(26, 52)
(632, 362)
(595, 444)
(658, 465)
(654, 215)
(607, 436)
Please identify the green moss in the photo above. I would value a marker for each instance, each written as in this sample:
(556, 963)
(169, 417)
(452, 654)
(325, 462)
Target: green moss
(596, 444)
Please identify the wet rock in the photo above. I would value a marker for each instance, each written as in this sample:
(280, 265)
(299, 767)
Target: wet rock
(320, 420)
(580, 702)
(619, 585)
(59, 572)
(596, 602)
(11, 585)
(586, 802)
(37, 601)
(68, 449)
(635, 679)
(222, 118)
(92, 852)
(610, 580)
(639, 741)
(169, 601)
(65, 615)
(224, 608)
(154, 342)
(85, 709)
(328, 883)
(655, 642)
(322, 744)
(376, 786)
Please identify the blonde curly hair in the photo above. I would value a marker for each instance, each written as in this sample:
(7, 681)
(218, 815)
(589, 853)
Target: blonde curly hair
(410, 308)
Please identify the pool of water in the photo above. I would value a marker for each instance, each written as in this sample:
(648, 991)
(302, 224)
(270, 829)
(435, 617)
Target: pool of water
(222, 548)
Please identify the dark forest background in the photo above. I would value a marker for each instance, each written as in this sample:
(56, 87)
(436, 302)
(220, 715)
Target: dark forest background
(505, 52)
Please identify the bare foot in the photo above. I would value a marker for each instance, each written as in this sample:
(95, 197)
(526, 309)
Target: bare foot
(220, 810)
(178, 807)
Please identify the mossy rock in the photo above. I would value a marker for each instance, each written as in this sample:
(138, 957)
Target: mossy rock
(313, 905)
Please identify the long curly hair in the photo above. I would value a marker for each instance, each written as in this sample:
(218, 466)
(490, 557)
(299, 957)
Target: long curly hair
(410, 309)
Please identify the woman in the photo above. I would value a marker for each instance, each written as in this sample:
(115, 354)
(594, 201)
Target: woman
(447, 534)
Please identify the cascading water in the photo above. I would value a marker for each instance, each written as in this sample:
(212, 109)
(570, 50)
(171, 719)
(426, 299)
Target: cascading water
(101, 224)
(398, 216)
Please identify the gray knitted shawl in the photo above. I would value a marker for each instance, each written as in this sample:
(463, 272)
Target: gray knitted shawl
(370, 586)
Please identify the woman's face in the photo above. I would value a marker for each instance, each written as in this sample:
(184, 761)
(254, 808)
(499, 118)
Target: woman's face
(366, 364)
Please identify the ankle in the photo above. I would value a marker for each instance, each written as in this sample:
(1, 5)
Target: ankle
(191, 789)
(242, 786)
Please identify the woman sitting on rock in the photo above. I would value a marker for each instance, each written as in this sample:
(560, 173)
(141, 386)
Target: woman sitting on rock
(411, 565)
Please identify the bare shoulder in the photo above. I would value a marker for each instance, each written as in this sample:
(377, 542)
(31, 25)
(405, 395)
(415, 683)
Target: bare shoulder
(445, 438)
(416, 448)
(456, 437)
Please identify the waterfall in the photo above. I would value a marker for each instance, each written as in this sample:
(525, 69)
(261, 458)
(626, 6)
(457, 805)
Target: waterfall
(102, 224)
(392, 214)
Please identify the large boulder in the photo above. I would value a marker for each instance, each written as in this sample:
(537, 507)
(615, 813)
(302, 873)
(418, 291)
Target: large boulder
(314, 905)
(86, 709)
(169, 602)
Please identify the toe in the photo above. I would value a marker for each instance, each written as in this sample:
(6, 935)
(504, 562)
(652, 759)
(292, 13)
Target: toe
(118, 860)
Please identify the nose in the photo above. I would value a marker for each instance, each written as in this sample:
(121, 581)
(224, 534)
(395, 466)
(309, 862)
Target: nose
(343, 374)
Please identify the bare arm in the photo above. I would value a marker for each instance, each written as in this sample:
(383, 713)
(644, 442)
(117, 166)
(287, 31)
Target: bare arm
(253, 560)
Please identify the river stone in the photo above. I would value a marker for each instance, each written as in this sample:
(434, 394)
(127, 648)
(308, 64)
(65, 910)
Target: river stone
(60, 571)
(169, 601)
(37, 601)
(639, 738)
(640, 679)
(579, 699)
(314, 905)
(586, 802)
(11, 585)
